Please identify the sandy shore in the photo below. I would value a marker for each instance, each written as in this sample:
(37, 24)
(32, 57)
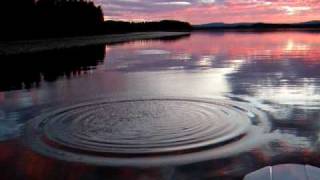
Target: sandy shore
(30, 46)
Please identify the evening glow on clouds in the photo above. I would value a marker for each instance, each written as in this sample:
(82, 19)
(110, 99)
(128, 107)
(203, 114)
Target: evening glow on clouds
(204, 11)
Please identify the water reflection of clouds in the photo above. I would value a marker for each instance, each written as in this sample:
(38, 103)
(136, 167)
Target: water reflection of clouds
(278, 67)
(304, 95)
(285, 82)
(206, 61)
(276, 72)
(294, 46)
(152, 52)
(182, 56)
(273, 67)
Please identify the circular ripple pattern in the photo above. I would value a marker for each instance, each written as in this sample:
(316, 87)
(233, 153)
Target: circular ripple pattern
(104, 131)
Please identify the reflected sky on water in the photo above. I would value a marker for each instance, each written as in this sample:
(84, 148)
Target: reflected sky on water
(277, 73)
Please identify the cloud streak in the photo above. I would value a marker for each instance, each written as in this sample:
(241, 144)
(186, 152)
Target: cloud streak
(203, 11)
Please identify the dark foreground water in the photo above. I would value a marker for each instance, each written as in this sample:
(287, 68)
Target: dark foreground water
(207, 106)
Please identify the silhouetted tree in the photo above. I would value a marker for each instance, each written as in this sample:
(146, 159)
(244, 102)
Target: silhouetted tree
(43, 18)
(23, 19)
(73, 17)
(165, 25)
(16, 17)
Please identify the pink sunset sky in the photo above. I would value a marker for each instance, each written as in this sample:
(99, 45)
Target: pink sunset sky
(205, 11)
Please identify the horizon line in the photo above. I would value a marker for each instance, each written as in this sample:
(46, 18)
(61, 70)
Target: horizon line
(217, 22)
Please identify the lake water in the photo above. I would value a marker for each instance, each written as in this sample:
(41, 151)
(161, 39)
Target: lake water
(204, 106)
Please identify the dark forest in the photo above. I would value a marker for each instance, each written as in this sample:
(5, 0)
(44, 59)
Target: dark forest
(30, 19)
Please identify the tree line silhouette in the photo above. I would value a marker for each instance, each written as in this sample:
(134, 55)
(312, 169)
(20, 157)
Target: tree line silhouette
(27, 19)
(306, 26)
(43, 18)
(164, 25)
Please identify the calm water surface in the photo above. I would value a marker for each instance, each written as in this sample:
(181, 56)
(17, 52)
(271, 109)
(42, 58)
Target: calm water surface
(206, 106)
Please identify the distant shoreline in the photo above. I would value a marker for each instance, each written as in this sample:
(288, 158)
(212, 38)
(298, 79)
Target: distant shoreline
(304, 26)
(33, 46)
(257, 30)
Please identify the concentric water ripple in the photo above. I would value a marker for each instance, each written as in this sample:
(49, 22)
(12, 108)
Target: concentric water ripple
(126, 132)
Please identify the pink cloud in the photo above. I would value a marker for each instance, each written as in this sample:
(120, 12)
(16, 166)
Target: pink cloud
(203, 11)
